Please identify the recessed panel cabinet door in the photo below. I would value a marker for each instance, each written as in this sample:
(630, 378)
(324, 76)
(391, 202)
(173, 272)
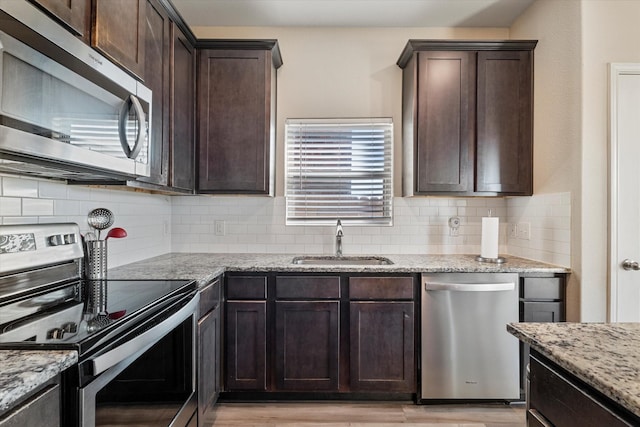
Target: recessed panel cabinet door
(157, 78)
(119, 32)
(446, 94)
(382, 346)
(246, 345)
(183, 113)
(209, 360)
(234, 121)
(307, 345)
(75, 14)
(504, 122)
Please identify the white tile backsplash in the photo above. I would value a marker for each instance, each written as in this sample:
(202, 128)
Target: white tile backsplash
(419, 226)
(158, 224)
(549, 216)
(144, 216)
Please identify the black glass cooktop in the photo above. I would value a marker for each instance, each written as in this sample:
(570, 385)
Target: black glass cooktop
(108, 308)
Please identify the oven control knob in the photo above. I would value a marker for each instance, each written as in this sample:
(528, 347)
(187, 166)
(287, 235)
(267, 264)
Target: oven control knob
(55, 334)
(71, 327)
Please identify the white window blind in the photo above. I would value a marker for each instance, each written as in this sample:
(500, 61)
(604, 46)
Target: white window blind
(339, 169)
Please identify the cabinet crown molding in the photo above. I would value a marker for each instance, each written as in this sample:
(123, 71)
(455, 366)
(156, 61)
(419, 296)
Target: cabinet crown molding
(415, 45)
(244, 44)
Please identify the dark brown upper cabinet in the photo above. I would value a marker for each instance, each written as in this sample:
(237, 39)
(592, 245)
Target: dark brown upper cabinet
(73, 14)
(467, 117)
(182, 175)
(118, 32)
(236, 112)
(157, 78)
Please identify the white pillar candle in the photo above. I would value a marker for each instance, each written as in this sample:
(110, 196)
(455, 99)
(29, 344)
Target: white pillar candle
(489, 244)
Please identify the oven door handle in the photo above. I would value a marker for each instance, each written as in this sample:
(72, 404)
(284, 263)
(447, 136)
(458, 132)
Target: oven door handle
(144, 341)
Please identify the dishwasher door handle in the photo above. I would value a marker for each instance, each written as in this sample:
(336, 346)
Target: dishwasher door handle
(469, 287)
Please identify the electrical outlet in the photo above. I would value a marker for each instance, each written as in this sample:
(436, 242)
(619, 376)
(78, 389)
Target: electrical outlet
(219, 228)
(524, 230)
(454, 226)
(513, 230)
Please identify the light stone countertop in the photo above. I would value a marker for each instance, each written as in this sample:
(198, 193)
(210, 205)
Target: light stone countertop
(204, 267)
(22, 371)
(604, 355)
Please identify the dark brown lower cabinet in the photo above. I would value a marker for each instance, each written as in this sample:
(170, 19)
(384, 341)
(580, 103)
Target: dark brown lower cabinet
(307, 345)
(542, 299)
(319, 335)
(209, 348)
(382, 346)
(557, 398)
(246, 345)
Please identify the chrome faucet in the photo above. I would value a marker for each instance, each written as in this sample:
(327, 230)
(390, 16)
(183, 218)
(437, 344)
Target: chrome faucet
(339, 234)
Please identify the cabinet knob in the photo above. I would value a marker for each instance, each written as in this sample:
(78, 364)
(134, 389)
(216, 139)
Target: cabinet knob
(628, 264)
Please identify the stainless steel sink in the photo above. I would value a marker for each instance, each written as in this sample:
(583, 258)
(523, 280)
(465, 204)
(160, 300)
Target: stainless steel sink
(341, 260)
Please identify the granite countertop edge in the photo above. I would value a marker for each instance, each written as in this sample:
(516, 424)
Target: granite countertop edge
(23, 371)
(604, 355)
(204, 267)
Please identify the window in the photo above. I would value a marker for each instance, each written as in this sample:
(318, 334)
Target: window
(339, 169)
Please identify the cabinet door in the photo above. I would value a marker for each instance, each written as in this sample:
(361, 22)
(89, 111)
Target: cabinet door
(504, 151)
(157, 78)
(444, 134)
(118, 31)
(307, 350)
(183, 113)
(75, 14)
(234, 93)
(208, 360)
(41, 410)
(246, 351)
(382, 346)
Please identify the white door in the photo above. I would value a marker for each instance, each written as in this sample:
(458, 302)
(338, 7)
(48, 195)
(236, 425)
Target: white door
(624, 284)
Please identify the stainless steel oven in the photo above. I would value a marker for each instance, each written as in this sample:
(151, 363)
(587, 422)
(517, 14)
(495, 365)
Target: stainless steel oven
(66, 111)
(145, 373)
(135, 338)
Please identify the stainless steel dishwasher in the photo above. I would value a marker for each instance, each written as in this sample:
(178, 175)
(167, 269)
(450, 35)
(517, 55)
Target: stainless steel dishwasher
(466, 350)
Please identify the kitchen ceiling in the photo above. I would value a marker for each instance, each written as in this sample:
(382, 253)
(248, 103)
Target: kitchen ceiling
(352, 13)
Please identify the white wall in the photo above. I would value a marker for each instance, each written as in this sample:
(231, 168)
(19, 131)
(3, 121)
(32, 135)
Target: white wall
(557, 116)
(578, 38)
(610, 33)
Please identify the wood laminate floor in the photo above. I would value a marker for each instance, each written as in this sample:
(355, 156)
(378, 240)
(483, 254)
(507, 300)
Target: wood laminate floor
(373, 414)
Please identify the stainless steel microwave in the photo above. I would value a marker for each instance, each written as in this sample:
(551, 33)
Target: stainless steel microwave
(65, 111)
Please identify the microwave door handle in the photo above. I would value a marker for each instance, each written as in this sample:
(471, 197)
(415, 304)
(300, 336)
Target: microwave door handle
(131, 153)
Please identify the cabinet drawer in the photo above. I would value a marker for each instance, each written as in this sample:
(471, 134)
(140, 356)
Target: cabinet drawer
(542, 311)
(247, 287)
(315, 287)
(209, 297)
(564, 403)
(547, 288)
(377, 288)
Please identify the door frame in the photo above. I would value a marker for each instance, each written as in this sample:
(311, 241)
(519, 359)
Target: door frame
(615, 71)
